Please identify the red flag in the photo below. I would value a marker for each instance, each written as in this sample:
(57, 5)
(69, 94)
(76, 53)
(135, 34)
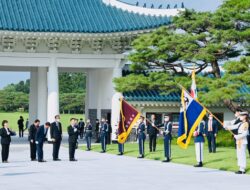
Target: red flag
(128, 117)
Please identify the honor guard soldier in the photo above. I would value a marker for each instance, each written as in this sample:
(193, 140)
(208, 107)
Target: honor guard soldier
(141, 136)
(234, 122)
(88, 134)
(241, 140)
(73, 136)
(199, 143)
(103, 134)
(211, 130)
(167, 133)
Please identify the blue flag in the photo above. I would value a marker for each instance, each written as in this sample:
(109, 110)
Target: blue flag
(191, 114)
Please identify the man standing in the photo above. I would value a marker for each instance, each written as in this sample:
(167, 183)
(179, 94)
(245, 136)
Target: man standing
(211, 130)
(236, 121)
(56, 136)
(97, 131)
(109, 132)
(73, 136)
(103, 134)
(32, 136)
(167, 133)
(199, 143)
(81, 127)
(40, 138)
(152, 131)
(88, 132)
(141, 136)
(20, 126)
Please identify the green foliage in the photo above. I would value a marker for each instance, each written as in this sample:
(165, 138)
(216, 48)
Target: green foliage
(72, 94)
(200, 41)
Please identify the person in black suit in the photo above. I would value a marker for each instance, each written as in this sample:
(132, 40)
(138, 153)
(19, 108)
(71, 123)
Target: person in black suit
(103, 134)
(211, 130)
(5, 134)
(152, 132)
(109, 132)
(56, 137)
(81, 127)
(97, 136)
(32, 136)
(20, 126)
(73, 136)
(40, 138)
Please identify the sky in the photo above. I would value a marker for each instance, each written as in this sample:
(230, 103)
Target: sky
(199, 5)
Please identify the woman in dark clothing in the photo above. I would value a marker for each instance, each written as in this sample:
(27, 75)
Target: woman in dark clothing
(5, 134)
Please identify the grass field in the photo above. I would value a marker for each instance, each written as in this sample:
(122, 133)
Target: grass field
(13, 117)
(223, 159)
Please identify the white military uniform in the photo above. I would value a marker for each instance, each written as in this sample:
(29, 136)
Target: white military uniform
(241, 142)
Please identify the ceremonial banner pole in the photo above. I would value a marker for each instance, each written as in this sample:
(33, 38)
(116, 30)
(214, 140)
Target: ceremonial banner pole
(206, 110)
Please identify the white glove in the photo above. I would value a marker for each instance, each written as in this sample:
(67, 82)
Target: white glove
(75, 129)
(36, 142)
(31, 141)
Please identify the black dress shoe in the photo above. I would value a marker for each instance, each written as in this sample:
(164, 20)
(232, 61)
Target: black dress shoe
(102, 151)
(240, 172)
(167, 160)
(41, 160)
(198, 165)
(73, 160)
(33, 159)
(120, 154)
(57, 159)
(142, 156)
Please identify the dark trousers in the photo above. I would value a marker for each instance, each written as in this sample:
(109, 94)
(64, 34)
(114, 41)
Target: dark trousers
(20, 131)
(5, 152)
(72, 149)
(211, 139)
(109, 138)
(103, 141)
(141, 145)
(121, 148)
(39, 148)
(152, 142)
(56, 147)
(32, 151)
(97, 137)
(81, 133)
(167, 146)
(88, 140)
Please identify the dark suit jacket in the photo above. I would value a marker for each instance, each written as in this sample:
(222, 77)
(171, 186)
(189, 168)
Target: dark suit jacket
(55, 131)
(41, 134)
(5, 138)
(73, 135)
(141, 130)
(20, 123)
(200, 137)
(214, 127)
(152, 130)
(32, 132)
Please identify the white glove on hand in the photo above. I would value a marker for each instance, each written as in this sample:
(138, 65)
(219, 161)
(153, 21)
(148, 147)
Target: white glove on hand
(36, 142)
(75, 129)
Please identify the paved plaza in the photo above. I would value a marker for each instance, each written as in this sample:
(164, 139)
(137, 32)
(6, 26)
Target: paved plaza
(105, 171)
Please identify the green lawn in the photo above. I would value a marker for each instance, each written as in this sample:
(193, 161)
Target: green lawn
(13, 117)
(224, 159)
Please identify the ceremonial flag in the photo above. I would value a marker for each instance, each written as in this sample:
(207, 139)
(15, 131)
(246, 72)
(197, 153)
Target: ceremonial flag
(193, 86)
(191, 114)
(128, 117)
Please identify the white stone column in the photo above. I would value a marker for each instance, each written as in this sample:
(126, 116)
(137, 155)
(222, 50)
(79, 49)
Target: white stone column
(33, 97)
(42, 94)
(115, 107)
(53, 91)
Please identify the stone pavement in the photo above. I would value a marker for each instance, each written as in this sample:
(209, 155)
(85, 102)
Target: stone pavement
(95, 171)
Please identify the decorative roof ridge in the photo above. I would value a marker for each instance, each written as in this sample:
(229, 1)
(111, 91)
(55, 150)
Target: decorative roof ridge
(143, 10)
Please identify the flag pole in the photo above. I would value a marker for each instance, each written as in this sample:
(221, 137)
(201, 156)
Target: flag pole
(180, 86)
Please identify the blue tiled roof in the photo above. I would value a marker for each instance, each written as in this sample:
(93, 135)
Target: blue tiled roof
(87, 16)
(151, 95)
(155, 95)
